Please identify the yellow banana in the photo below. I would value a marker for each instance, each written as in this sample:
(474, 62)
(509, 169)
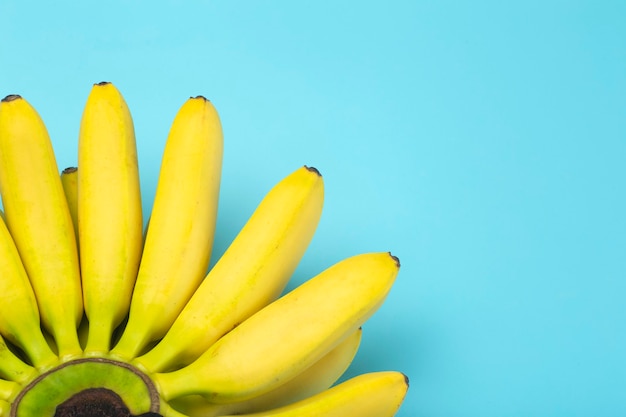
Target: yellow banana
(19, 315)
(182, 224)
(311, 381)
(5, 408)
(69, 180)
(39, 220)
(109, 212)
(316, 378)
(252, 272)
(377, 394)
(13, 368)
(309, 321)
(8, 389)
(167, 411)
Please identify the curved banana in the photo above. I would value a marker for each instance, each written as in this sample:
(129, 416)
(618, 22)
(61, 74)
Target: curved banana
(182, 224)
(109, 212)
(252, 272)
(313, 380)
(19, 315)
(377, 394)
(8, 389)
(69, 180)
(39, 220)
(309, 321)
(13, 368)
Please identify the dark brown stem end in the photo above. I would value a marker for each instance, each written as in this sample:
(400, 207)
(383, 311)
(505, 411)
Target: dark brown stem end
(96, 402)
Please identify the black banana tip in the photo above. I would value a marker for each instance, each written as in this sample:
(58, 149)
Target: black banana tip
(11, 97)
(69, 170)
(313, 169)
(395, 259)
(103, 83)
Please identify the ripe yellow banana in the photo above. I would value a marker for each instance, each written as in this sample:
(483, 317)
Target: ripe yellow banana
(13, 368)
(8, 389)
(5, 408)
(377, 394)
(109, 212)
(19, 315)
(69, 180)
(313, 380)
(182, 224)
(39, 220)
(252, 272)
(211, 344)
(308, 322)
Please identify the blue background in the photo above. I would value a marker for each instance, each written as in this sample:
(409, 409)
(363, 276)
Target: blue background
(482, 142)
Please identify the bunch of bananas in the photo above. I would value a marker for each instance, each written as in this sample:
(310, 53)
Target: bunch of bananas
(100, 317)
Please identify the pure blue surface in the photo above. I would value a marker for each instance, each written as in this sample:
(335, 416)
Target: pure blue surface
(484, 143)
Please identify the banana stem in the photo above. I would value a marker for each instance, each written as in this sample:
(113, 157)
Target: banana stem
(99, 337)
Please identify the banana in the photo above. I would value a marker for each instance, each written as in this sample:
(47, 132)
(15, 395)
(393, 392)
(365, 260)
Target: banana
(5, 408)
(308, 321)
(168, 411)
(69, 180)
(39, 220)
(311, 381)
(109, 212)
(13, 368)
(19, 315)
(252, 272)
(376, 394)
(158, 334)
(182, 224)
(8, 389)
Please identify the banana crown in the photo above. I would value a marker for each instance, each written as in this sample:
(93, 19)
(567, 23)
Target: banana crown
(101, 316)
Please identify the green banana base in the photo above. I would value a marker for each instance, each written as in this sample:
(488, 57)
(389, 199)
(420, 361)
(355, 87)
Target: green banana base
(88, 387)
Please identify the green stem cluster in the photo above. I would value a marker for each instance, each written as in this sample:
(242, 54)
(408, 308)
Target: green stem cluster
(94, 387)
